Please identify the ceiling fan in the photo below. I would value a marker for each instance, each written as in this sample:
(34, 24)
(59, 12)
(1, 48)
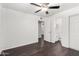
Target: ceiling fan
(44, 7)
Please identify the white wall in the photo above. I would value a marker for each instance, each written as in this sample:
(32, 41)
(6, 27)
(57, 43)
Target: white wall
(1, 38)
(47, 29)
(62, 30)
(18, 28)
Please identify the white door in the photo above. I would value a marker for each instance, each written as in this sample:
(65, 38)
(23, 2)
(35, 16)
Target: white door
(74, 32)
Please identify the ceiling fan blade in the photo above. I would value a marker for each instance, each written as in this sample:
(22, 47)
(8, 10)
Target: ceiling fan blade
(45, 3)
(38, 10)
(54, 7)
(35, 4)
(47, 12)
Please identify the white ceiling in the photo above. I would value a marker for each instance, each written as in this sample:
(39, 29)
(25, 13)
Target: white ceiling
(28, 8)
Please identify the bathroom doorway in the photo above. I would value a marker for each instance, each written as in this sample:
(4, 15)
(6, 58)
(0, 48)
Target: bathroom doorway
(41, 33)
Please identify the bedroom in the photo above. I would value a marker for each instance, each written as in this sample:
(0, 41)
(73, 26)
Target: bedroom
(19, 29)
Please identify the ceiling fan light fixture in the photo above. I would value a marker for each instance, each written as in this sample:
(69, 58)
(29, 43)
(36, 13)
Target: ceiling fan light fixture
(45, 6)
(44, 9)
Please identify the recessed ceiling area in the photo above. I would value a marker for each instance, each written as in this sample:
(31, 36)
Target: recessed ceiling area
(28, 8)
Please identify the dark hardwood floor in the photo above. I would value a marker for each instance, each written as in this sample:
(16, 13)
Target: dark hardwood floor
(49, 49)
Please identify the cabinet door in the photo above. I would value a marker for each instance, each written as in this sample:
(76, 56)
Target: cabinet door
(74, 32)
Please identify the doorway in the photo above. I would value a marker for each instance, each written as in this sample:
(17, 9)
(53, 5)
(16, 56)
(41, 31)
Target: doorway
(41, 33)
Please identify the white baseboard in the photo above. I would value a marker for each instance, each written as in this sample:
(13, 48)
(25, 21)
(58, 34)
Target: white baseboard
(6, 48)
